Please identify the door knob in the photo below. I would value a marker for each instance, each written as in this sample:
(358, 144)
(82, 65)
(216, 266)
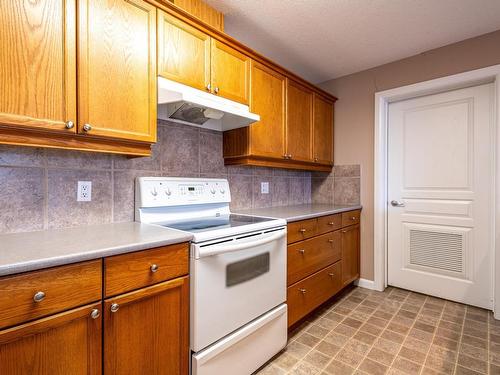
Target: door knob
(397, 203)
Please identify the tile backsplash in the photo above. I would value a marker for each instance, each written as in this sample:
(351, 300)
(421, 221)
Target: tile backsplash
(38, 186)
(340, 187)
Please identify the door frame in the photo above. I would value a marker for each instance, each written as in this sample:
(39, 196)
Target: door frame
(382, 100)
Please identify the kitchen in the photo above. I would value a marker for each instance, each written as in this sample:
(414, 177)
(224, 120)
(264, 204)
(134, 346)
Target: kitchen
(127, 212)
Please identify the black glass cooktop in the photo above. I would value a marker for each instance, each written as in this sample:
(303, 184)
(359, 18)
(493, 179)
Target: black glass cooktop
(207, 224)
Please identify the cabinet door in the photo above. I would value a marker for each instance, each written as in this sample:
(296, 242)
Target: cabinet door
(323, 131)
(267, 99)
(350, 254)
(299, 108)
(117, 69)
(66, 343)
(37, 64)
(147, 331)
(183, 52)
(230, 73)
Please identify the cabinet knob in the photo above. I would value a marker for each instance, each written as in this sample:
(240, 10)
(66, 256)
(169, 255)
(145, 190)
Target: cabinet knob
(353, 218)
(285, 156)
(302, 251)
(209, 87)
(344, 231)
(115, 307)
(302, 230)
(315, 160)
(39, 296)
(331, 274)
(70, 124)
(303, 291)
(87, 127)
(330, 240)
(216, 90)
(331, 223)
(289, 156)
(154, 268)
(94, 314)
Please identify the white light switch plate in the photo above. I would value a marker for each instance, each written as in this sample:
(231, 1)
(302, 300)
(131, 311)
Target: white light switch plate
(84, 193)
(264, 187)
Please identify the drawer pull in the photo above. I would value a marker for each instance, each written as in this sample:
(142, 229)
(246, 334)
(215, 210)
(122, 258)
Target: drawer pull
(344, 231)
(353, 218)
(302, 251)
(94, 314)
(39, 296)
(331, 274)
(114, 307)
(302, 230)
(330, 240)
(303, 291)
(154, 268)
(331, 223)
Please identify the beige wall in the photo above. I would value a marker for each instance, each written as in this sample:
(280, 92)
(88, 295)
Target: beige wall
(354, 111)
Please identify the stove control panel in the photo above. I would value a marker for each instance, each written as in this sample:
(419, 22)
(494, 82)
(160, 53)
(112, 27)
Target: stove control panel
(173, 191)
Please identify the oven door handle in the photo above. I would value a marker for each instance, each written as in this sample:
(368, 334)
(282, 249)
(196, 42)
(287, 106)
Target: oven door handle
(222, 249)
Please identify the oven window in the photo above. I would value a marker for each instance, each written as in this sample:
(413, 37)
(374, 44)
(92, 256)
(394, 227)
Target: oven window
(247, 269)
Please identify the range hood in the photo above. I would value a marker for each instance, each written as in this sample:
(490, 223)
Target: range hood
(186, 105)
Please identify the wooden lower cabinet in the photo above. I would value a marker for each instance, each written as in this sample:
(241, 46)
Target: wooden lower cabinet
(350, 254)
(147, 331)
(61, 344)
(54, 321)
(323, 257)
(311, 255)
(306, 295)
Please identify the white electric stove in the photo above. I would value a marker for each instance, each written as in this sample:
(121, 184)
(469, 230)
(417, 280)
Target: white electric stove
(238, 316)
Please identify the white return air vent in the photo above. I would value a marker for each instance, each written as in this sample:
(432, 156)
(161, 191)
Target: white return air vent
(437, 252)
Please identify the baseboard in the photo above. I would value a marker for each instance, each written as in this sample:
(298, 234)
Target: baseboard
(365, 283)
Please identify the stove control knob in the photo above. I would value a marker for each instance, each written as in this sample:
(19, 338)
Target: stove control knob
(212, 191)
(168, 192)
(154, 192)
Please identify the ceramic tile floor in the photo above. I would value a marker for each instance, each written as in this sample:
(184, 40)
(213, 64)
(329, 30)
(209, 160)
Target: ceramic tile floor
(392, 332)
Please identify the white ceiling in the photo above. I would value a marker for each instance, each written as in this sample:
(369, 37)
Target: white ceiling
(324, 39)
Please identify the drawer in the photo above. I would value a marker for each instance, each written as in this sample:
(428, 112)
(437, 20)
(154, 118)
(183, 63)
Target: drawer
(304, 296)
(126, 272)
(350, 218)
(307, 257)
(301, 230)
(56, 289)
(329, 223)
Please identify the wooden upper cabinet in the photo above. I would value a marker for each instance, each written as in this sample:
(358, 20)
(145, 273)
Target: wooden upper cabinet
(267, 98)
(37, 64)
(66, 343)
(230, 72)
(117, 69)
(323, 130)
(150, 326)
(183, 52)
(299, 113)
(201, 10)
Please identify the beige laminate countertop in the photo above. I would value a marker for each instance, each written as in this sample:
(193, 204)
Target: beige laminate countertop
(298, 212)
(21, 252)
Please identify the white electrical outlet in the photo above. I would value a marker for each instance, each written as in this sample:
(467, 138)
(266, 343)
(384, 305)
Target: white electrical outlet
(84, 193)
(264, 187)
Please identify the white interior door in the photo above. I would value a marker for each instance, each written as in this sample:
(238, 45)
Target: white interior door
(440, 193)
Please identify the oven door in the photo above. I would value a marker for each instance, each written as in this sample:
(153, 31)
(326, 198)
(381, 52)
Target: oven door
(234, 281)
